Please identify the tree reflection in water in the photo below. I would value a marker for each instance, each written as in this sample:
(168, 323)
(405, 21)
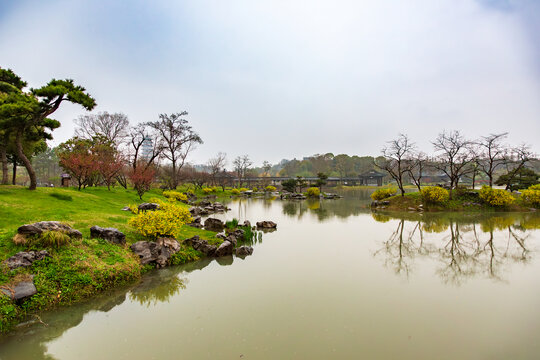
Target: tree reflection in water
(470, 246)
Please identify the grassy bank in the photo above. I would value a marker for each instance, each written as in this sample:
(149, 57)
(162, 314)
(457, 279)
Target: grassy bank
(83, 267)
(466, 202)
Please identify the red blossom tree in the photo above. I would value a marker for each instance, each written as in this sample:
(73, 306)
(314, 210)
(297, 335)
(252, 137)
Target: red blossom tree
(77, 159)
(142, 178)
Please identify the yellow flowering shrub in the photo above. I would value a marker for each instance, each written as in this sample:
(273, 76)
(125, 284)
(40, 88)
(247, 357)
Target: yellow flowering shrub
(175, 195)
(166, 221)
(435, 195)
(381, 194)
(531, 195)
(243, 189)
(133, 208)
(235, 192)
(313, 192)
(270, 188)
(207, 190)
(495, 197)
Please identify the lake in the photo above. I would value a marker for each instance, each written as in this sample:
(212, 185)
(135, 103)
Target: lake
(333, 282)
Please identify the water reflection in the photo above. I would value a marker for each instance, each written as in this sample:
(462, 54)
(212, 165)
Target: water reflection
(157, 286)
(463, 246)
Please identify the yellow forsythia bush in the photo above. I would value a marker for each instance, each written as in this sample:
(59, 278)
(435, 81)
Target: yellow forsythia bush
(531, 195)
(270, 188)
(235, 191)
(174, 195)
(381, 194)
(313, 192)
(243, 189)
(495, 197)
(166, 221)
(435, 195)
(207, 190)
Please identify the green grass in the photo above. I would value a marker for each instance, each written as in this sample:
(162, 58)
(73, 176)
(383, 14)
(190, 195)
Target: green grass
(79, 268)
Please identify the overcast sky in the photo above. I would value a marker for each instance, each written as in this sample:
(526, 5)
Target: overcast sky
(282, 79)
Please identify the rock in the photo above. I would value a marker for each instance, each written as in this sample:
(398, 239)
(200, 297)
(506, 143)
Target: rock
(238, 233)
(380, 203)
(226, 248)
(25, 258)
(214, 224)
(221, 235)
(148, 207)
(233, 240)
(196, 222)
(157, 252)
(126, 208)
(204, 203)
(201, 245)
(246, 223)
(21, 291)
(331, 196)
(39, 227)
(112, 235)
(244, 251)
(266, 225)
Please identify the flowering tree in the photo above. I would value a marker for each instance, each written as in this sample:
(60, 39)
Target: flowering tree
(77, 159)
(142, 178)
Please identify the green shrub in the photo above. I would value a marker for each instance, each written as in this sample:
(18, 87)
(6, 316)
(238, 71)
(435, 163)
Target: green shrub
(231, 224)
(255, 189)
(235, 192)
(270, 188)
(381, 194)
(8, 313)
(166, 221)
(313, 192)
(63, 197)
(495, 197)
(435, 195)
(531, 196)
(175, 195)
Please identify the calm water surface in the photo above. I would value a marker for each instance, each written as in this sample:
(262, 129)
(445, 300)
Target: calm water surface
(334, 282)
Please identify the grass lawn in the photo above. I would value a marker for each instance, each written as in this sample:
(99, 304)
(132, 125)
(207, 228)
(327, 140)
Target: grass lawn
(83, 267)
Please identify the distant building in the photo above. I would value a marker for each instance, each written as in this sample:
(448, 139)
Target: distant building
(147, 148)
(65, 178)
(371, 178)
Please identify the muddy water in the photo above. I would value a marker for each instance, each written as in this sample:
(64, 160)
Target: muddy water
(334, 282)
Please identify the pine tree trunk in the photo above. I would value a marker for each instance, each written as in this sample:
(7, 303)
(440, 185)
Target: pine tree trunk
(3, 159)
(26, 162)
(14, 176)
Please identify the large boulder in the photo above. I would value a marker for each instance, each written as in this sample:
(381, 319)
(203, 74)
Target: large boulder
(25, 258)
(201, 245)
(112, 235)
(243, 251)
(158, 252)
(20, 291)
(196, 223)
(226, 248)
(36, 229)
(214, 224)
(266, 225)
(148, 207)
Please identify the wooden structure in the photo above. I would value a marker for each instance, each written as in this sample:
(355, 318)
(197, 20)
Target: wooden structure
(65, 179)
(371, 178)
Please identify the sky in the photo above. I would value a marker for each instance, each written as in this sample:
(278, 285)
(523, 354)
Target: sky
(279, 79)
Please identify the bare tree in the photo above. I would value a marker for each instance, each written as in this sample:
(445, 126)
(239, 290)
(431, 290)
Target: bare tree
(492, 155)
(113, 127)
(144, 147)
(395, 159)
(417, 165)
(266, 168)
(519, 156)
(454, 156)
(216, 165)
(241, 166)
(178, 140)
